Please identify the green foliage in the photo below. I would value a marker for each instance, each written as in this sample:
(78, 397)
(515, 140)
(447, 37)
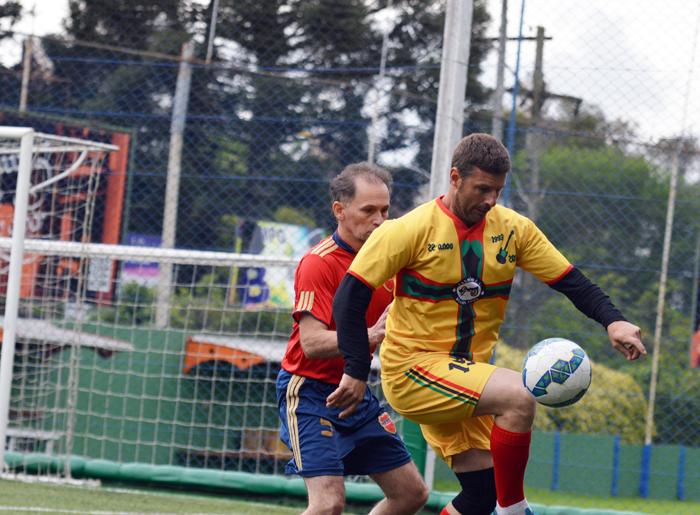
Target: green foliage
(230, 157)
(134, 306)
(205, 307)
(258, 138)
(10, 13)
(289, 215)
(227, 234)
(615, 404)
(202, 307)
(129, 23)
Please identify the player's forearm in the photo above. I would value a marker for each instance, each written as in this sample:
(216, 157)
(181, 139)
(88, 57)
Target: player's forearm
(320, 345)
(588, 298)
(349, 308)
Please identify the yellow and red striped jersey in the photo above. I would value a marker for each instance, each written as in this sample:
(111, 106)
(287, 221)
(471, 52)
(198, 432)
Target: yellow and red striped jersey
(452, 281)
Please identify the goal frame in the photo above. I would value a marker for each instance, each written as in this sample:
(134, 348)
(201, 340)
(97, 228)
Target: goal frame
(14, 276)
(26, 136)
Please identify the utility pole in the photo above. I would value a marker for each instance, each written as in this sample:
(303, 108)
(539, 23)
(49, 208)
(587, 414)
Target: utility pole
(533, 144)
(534, 139)
(26, 73)
(449, 120)
(378, 92)
(212, 30)
(497, 120)
(172, 187)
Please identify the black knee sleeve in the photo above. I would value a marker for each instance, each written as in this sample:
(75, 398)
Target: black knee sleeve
(478, 495)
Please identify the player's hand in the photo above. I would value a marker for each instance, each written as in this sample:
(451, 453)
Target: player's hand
(349, 395)
(626, 338)
(377, 331)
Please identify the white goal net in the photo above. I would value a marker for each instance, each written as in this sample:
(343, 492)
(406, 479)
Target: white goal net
(199, 393)
(94, 377)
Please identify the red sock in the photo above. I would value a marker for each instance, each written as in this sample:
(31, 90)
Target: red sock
(444, 511)
(510, 452)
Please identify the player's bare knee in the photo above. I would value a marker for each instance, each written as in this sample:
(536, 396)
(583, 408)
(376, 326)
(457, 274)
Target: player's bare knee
(336, 509)
(524, 405)
(518, 414)
(411, 500)
(416, 496)
(420, 496)
(331, 505)
(411, 495)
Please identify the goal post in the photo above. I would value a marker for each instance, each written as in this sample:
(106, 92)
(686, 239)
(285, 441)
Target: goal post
(50, 162)
(26, 139)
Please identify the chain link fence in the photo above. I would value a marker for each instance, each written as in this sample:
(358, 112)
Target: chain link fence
(237, 114)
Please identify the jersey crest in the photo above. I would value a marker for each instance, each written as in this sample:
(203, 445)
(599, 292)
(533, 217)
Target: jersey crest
(387, 423)
(468, 290)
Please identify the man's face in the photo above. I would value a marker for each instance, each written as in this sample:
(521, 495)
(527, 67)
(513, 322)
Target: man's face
(360, 217)
(475, 195)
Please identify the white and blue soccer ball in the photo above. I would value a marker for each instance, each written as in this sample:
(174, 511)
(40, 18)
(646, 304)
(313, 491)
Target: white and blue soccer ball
(557, 372)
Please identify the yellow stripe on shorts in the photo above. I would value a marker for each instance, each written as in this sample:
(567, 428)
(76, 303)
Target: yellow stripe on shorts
(292, 405)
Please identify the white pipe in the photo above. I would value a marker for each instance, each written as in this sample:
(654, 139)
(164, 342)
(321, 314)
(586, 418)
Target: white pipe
(148, 254)
(497, 116)
(172, 186)
(19, 226)
(451, 93)
(380, 84)
(26, 72)
(429, 475)
(61, 175)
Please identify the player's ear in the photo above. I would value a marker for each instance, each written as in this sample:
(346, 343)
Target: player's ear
(339, 210)
(455, 178)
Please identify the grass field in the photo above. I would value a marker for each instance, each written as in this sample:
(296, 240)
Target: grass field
(18, 498)
(31, 498)
(623, 504)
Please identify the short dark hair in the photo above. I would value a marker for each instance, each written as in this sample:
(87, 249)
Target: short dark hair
(482, 151)
(343, 185)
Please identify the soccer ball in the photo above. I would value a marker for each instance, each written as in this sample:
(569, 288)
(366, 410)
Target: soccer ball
(557, 372)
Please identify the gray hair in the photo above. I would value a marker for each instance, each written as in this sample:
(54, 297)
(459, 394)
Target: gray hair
(343, 185)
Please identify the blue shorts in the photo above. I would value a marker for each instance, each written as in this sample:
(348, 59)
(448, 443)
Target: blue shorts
(364, 443)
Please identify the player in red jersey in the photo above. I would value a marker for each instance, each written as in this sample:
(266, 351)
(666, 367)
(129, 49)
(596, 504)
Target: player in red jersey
(326, 447)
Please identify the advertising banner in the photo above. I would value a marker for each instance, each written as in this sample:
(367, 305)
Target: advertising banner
(141, 273)
(272, 287)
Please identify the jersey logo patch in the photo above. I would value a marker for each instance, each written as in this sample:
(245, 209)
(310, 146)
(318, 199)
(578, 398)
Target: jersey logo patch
(503, 253)
(387, 423)
(468, 291)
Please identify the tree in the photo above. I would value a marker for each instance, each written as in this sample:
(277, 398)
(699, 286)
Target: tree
(416, 42)
(283, 110)
(10, 13)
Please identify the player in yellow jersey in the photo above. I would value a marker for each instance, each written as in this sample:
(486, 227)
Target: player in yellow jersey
(454, 259)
